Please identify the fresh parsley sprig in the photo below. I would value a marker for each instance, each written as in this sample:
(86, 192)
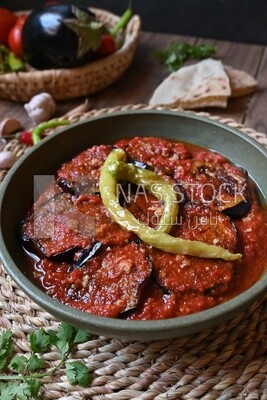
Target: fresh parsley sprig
(22, 375)
(176, 54)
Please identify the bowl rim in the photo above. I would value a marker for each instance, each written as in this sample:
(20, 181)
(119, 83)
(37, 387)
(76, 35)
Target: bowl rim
(113, 326)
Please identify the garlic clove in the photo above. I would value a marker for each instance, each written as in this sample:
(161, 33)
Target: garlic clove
(9, 126)
(41, 107)
(7, 159)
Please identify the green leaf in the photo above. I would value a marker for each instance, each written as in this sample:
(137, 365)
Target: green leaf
(65, 338)
(88, 30)
(82, 336)
(18, 363)
(53, 338)
(66, 333)
(7, 391)
(35, 363)
(34, 386)
(23, 386)
(39, 341)
(89, 36)
(14, 391)
(204, 51)
(78, 373)
(23, 391)
(63, 347)
(175, 55)
(82, 15)
(6, 347)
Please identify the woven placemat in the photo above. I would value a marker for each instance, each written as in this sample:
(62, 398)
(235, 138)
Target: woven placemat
(228, 362)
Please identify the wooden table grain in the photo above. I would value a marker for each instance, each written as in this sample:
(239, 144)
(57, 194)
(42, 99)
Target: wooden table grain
(145, 73)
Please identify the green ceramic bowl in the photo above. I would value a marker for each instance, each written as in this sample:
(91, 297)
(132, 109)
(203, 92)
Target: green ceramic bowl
(17, 194)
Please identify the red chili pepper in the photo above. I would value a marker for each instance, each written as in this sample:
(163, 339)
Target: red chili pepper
(26, 138)
(108, 46)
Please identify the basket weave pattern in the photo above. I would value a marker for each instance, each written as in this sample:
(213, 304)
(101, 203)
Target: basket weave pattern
(65, 84)
(225, 363)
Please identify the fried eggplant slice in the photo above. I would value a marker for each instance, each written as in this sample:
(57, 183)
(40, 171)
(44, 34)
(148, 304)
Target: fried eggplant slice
(61, 223)
(87, 254)
(220, 185)
(180, 273)
(142, 204)
(108, 284)
(81, 174)
(155, 304)
(161, 154)
(198, 222)
(108, 232)
(55, 225)
(120, 278)
(161, 304)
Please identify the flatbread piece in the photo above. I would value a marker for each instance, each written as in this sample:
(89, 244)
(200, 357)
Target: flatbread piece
(241, 82)
(204, 84)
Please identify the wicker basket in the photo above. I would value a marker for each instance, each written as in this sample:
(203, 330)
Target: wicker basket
(65, 84)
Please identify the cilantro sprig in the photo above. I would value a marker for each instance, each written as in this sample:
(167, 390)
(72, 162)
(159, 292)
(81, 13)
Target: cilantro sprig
(176, 54)
(22, 375)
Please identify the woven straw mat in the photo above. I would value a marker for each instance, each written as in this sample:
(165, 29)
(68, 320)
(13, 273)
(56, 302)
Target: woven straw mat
(225, 363)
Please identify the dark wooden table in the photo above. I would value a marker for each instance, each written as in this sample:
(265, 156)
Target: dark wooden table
(138, 83)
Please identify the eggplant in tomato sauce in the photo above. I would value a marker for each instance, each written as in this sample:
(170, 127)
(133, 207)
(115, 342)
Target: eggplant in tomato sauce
(107, 270)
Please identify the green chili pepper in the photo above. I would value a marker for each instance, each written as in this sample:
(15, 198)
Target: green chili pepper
(53, 123)
(152, 237)
(15, 63)
(9, 62)
(122, 22)
(150, 181)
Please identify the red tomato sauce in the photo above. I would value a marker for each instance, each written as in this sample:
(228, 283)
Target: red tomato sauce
(81, 257)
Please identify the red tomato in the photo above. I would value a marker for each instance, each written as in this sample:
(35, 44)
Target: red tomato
(15, 36)
(7, 20)
(26, 138)
(107, 47)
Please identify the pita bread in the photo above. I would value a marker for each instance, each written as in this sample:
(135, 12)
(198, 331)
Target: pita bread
(241, 82)
(204, 84)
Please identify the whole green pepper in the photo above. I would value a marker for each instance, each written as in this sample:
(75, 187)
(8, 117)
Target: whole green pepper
(122, 22)
(160, 240)
(53, 123)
